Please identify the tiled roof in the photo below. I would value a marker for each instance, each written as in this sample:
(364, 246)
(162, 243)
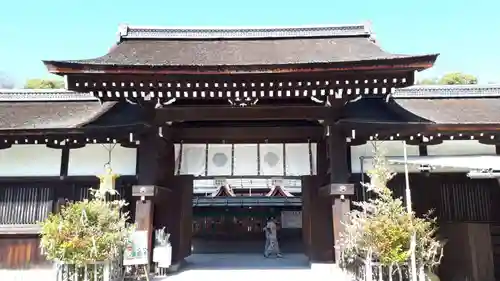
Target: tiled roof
(457, 104)
(48, 109)
(222, 47)
(241, 52)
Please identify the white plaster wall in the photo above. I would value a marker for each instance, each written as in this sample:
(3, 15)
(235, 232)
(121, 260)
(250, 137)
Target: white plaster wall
(90, 160)
(26, 160)
(459, 147)
(390, 148)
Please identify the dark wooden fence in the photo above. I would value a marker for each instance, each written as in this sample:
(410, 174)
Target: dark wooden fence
(24, 203)
(452, 196)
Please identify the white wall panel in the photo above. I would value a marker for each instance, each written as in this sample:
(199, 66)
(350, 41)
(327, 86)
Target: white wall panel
(459, 147)
(30, 160)
(90, 160)
(390, 148)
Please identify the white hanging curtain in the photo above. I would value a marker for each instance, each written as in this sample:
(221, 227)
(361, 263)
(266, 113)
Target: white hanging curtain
(298, 162)
(314, 148)
(271, 159)
(177, 151)
(193, 158)
(245, 160)
(220, 160)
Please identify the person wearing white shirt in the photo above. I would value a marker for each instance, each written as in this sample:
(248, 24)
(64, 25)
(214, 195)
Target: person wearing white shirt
(272, 246)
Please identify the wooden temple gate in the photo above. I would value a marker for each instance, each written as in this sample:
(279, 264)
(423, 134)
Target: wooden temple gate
(332, 86)
(164, 199)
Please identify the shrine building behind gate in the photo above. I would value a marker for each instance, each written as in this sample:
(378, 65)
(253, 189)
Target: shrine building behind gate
(226, 121)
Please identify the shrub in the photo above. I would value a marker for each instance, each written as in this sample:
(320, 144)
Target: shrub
(381, 228)
(86, 231)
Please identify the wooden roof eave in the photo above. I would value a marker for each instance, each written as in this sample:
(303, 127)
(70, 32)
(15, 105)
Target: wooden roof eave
(110, 130)
(365, 128)
(409, 63)
(464, 127)
(368, 127)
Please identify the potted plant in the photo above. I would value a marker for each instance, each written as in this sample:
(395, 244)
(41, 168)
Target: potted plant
(378, 232)
(85, 239)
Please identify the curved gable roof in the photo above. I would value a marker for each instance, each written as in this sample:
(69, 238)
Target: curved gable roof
(262, 47)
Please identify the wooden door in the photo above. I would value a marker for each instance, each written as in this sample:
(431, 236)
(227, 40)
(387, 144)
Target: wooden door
(180, 208)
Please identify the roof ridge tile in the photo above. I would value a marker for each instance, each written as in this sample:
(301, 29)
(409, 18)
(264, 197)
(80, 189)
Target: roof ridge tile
(30, 95)
(172, 32)
(448, 91)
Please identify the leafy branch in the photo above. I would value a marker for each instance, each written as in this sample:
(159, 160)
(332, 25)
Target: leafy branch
(381, 228)
(86, 231)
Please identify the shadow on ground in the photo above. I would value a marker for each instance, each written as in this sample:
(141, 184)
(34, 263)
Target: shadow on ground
(245, 262)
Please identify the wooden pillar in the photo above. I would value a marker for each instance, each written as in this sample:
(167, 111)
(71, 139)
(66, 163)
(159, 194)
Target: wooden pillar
(306, 214)
(179, 210)
(337, 189)
(156, 161)
(317, 215)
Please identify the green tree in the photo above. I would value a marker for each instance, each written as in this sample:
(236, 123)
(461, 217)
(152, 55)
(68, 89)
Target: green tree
(453, 78)
(36, 83)
(457, 78)
(380, 228)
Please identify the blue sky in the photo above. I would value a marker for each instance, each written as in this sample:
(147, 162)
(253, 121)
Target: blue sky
(465, 33)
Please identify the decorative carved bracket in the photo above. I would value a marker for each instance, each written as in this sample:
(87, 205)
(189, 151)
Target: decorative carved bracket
(242, 102)
(147, 191)
(337, 189)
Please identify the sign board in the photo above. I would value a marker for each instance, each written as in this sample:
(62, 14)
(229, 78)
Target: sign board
(291, 219)
(136, 249)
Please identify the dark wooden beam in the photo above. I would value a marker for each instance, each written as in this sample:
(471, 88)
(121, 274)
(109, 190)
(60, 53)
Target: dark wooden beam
(59, 179)
(248, 134)
(64, 162)
(179, 114)
(19, 229)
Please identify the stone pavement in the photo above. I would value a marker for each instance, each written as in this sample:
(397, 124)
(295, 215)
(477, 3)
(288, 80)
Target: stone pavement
(28, 275)
(241, 267)
(218, 267)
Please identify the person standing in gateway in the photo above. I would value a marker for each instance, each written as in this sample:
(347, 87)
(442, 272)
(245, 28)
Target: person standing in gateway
(272, 246)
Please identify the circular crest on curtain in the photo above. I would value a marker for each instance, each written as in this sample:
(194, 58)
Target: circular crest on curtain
(219, 159)
(271, 159)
